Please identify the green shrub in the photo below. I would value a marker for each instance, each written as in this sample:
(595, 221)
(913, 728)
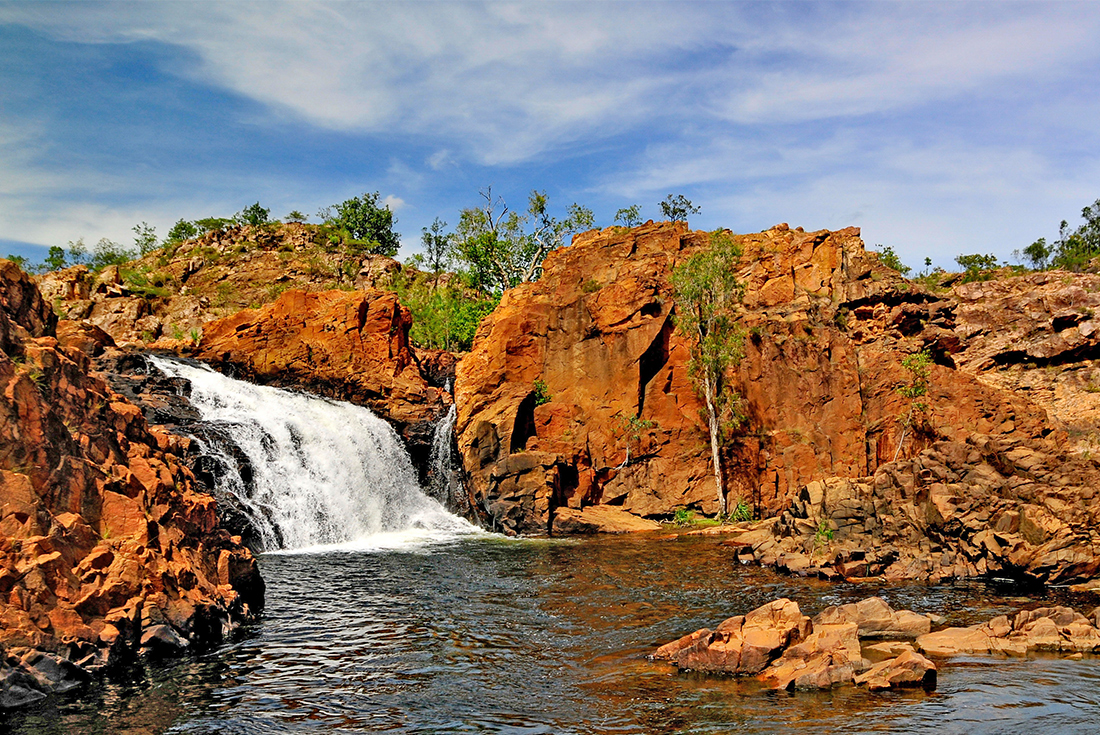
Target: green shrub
(542, 392)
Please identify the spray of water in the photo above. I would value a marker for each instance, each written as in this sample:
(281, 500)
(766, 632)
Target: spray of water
(325, 474)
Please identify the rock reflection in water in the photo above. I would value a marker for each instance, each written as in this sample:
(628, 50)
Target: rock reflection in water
(548, 637)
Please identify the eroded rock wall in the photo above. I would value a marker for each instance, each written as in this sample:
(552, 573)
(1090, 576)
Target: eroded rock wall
(618, 421)
(106, 547)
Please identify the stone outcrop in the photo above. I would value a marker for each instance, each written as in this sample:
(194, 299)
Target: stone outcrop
(1037, 335)
(785, 649)
(353, 346)
(1046, 629)
(576, 391)
(956, 509)
(106, 547)
(167, 296)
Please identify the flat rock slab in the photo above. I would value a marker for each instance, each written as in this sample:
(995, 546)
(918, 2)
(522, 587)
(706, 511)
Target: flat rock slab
(600, 519)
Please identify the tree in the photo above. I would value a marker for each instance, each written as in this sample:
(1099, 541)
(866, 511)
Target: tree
(492, 241)
(630, 216)
(1074, 249)
(145, 238)
(677, 209)
(182, 230)
(976, 263)
(919, 366)
(296, 216)
(890, 259)
(1037, 254)
(437, 248)
(254, 215)
(369, 227)
(55, 259)
(20, 261)
(108, 252)
(708, 296)
(210, 224)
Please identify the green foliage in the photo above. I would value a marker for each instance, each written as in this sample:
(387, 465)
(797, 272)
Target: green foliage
(591, 286)
(683, 517)
(196, 334)
(366, 227)
(20, 261)
(708, 297)
(254, 215)
(919, 367)
(145, 238)
(437, 246)
(1038, 253)
(108, 253)
(182, 230)
(890, 259)
(634, 426)
(677, 209)
(497, 251)
(542, 392)
(629, 216)
(824, 534)
(976, 263)
(741, 512)
(55, 260)
(445, 316)
(211, 224)
(296, 216)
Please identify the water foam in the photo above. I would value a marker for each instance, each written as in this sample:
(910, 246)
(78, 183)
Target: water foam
(326, 475)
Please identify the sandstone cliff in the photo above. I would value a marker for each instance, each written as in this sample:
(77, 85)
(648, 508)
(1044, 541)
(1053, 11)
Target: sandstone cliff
(106, 547)
(828, 328)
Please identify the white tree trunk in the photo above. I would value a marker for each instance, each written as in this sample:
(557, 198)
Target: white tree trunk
(715, 454)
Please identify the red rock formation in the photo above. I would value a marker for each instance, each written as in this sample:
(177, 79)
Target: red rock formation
(787, 650)
(827, 330)
(105, 546)
(348, 345)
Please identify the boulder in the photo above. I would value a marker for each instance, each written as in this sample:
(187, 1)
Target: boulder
(908, 670)
(876, 619)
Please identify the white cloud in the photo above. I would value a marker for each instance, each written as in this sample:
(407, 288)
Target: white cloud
(514, 80)
(393, 203)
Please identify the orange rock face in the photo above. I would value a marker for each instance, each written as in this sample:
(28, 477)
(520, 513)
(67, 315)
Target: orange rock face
(348, 345)
(101, 534)
(826, 328)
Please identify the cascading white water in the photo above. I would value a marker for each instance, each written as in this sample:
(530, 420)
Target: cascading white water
(444, 486)
(325, 473)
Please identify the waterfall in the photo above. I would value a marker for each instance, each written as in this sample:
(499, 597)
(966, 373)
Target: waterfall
(444, 484)
(324, 473)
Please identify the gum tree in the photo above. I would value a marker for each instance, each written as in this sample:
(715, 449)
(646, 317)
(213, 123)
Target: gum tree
(501, 248)
(708, 297)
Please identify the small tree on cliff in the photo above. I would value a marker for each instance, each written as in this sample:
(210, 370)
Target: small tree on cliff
(496, 248)
(708, 296)
(919, 367)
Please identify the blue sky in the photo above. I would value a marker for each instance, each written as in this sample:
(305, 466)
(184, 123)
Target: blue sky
(938, 128)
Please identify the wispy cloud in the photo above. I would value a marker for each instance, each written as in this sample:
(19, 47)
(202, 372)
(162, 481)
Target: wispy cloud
(956, 117)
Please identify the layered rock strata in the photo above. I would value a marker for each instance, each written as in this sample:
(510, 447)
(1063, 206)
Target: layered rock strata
(106, 547)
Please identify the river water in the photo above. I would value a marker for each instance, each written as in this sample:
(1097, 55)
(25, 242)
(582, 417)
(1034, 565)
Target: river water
(387, 614)
(488, 635)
